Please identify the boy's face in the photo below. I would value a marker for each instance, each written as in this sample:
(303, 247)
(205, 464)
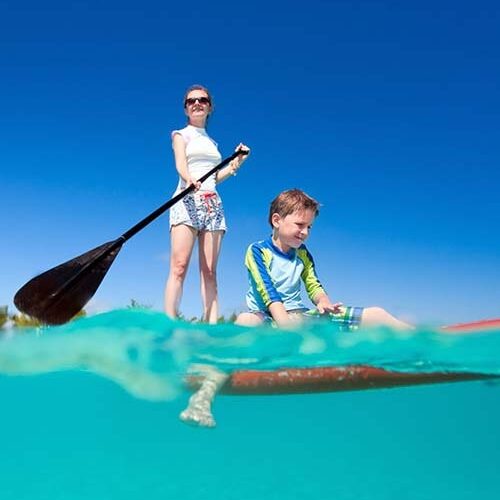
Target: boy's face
(291, 231)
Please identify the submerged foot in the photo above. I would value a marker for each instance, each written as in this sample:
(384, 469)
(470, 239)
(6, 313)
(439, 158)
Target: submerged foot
(199, 411)
(197, 417)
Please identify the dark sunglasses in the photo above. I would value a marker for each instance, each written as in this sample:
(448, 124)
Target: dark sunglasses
(192, 100)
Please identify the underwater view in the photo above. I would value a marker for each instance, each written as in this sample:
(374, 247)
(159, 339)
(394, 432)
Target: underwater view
(216, 161)
(91, 410)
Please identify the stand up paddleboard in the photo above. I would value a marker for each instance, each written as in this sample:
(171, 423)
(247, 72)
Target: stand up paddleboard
(343, 378)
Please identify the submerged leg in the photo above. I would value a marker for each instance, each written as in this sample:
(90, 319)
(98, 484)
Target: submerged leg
(199, 409)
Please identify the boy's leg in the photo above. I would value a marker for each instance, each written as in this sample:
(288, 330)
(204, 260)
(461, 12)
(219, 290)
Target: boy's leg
(199, 409)
(373, 316)
(249, 319)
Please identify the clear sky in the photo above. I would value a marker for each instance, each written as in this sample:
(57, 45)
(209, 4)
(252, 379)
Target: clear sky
(387, 112)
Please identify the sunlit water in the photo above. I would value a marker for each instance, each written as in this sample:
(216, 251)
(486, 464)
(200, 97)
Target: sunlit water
(90, 412)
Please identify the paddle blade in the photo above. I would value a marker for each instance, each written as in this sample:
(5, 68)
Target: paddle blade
(57, 295)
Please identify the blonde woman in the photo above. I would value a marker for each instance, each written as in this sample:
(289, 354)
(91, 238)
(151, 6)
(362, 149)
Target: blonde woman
(200, 214)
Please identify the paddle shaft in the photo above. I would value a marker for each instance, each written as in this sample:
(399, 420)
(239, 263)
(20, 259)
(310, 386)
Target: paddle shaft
(116, 244)
(163, 208)
(151, 217)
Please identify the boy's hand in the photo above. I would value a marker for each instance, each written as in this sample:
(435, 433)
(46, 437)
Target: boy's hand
(324, 306)
(281, 316)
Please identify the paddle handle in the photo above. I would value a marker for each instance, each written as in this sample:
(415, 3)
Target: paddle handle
(154, 215)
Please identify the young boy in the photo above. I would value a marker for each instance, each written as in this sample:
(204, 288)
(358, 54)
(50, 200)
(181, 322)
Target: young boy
(278, 265)
(276, 268)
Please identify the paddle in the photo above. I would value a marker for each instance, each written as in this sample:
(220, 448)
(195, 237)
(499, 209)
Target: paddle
(55, 296)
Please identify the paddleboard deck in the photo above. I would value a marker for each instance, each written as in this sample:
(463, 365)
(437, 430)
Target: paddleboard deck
(343, 378)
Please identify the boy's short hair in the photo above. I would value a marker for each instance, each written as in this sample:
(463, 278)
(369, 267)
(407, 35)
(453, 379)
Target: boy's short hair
(290, 201)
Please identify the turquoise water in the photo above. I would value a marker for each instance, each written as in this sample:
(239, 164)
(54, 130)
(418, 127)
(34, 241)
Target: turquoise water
(90, 411)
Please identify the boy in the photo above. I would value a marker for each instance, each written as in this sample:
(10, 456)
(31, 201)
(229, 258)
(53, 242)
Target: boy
(278, 265)
(276, 268)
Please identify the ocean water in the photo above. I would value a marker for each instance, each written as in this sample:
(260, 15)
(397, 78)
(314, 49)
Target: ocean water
(90, 411)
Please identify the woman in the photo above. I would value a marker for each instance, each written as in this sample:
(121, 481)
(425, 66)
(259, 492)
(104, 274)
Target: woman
(199, 215)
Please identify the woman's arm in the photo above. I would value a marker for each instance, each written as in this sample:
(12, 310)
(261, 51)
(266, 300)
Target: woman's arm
(179, 147)
(234, 165)
(226, 172)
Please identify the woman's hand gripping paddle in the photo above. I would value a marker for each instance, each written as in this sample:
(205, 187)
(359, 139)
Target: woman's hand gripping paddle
(57, 295)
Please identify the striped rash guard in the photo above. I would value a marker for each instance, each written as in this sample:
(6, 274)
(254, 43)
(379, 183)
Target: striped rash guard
(276, 276)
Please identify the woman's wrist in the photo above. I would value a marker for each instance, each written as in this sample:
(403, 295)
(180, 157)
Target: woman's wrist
(233, 167)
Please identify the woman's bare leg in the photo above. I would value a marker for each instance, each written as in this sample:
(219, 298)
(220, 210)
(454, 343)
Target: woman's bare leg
(182, 239)
(209, 248)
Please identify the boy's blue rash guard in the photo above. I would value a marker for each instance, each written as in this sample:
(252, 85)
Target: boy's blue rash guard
(276, 276)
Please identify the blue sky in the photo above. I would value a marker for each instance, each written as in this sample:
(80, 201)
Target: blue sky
(386, 112)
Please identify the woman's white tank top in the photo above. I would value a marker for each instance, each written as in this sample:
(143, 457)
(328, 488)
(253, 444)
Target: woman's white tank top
(202, 155)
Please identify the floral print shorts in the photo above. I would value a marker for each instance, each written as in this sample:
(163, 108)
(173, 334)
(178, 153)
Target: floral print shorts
(202, 211)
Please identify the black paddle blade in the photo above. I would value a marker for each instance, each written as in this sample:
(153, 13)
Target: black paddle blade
(57, 295)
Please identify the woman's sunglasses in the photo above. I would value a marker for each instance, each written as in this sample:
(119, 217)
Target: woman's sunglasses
(192, 100)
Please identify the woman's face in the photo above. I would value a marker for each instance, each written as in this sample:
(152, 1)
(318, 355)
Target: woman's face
(197, 106)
